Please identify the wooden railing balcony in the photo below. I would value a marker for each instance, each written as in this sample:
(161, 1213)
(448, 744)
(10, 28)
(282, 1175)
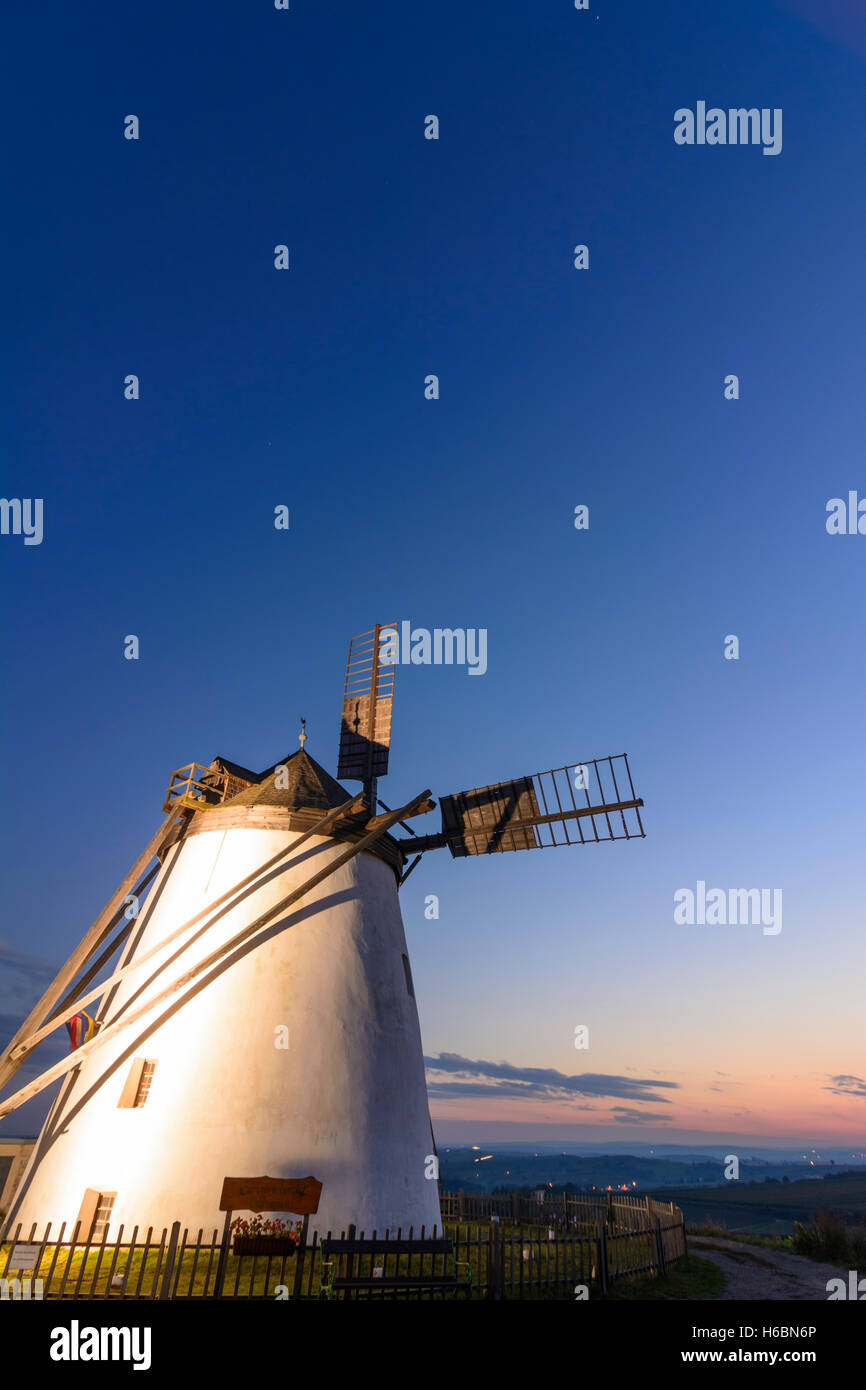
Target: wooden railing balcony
(199, 788)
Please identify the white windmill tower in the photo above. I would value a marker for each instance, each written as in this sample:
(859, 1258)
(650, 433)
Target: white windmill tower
(262, 1017)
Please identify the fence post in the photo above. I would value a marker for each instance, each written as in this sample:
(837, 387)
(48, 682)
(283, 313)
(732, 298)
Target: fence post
(601, 1256)
(300, 1254)
(171, 1256)
(224, 1255)
(460, 1204)
(660, 1249)
(492, 1254)
(350, 1263)
(685, 1245)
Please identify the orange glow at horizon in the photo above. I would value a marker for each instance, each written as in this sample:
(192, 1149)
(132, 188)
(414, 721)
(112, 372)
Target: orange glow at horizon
(773, 1106)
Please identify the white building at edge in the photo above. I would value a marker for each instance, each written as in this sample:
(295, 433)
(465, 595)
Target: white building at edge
(345, 1102)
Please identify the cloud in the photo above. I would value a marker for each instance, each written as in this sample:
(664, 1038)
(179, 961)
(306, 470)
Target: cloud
(847, 1086)
(491, 1079)
(449, 1089)
(625, 1115)
(23, 979)
(49, 1051)
(33, 968)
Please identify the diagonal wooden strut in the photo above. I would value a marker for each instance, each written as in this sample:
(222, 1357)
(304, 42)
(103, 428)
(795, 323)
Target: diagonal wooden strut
(57, 1018)
(85, 948)
(112, 1029)
(114, 943)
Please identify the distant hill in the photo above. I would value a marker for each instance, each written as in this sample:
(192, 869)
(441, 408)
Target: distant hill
(480, 1170)
(843, 1193)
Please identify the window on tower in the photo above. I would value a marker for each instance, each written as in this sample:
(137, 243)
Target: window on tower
(408, 973)
(136, 1087)
(144, 1083)
(95, 1214)
(103, 1214)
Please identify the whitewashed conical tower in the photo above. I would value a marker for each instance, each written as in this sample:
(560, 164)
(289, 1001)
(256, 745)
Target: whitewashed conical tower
(262, 1021)
(298, 1053)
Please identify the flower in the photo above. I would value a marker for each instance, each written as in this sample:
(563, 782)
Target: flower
(277, 1229)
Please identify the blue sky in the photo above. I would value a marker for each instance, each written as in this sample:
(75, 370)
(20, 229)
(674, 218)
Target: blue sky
(557, 387)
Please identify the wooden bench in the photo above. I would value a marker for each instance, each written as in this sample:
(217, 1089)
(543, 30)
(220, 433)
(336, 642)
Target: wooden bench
(347, 1251)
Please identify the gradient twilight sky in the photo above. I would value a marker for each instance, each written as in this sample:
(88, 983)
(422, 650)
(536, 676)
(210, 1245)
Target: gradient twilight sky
(558, 387)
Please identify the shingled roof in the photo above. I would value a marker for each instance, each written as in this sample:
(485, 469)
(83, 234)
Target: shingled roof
(307, 785)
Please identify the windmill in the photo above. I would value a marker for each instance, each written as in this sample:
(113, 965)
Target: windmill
(261, 1016)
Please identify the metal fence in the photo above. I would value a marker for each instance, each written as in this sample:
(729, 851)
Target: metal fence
(554, 1248)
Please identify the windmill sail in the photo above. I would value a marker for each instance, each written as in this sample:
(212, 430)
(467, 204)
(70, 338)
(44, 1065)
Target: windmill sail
(365, 731)
(489, 818)
(573, 805)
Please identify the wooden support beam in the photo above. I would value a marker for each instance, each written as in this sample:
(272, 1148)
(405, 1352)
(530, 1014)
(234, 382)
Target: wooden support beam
(579, 813)
(89, 943)
(59, 1017)
(112, 1029)
(422, 810)
(415, 862)
(112, 946)
(421, 843)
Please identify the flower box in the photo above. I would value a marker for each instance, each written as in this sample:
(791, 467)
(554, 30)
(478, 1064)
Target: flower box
(264, 1245)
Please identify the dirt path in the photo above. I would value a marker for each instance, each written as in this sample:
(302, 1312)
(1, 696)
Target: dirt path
(754, 1272)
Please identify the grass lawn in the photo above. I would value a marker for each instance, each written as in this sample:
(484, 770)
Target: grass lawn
(712, 1228)
(534, 1263)
(689, 1278)
(540, 1268)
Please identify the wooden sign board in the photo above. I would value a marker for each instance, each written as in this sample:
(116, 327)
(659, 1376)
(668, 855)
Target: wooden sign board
(299, 1195)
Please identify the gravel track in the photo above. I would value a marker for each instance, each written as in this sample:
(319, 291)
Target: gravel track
(758, 1274)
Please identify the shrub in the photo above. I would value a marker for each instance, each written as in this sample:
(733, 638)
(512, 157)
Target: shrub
(828, 1238)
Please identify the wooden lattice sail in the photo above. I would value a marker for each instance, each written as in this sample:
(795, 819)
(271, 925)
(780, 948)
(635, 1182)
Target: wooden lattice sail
(368, 700)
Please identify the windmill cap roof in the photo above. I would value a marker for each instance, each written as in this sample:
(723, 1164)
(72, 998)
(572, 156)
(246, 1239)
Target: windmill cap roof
(303, 783)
